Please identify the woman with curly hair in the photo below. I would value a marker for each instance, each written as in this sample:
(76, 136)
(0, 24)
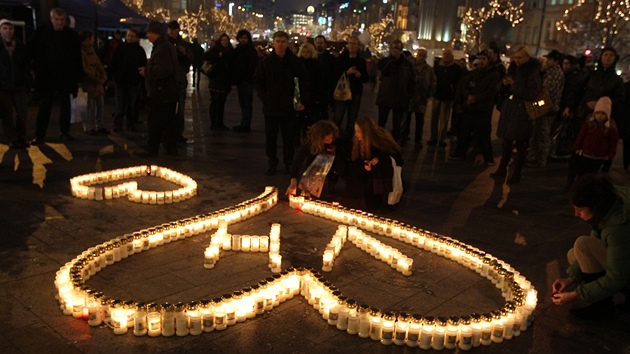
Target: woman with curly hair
(371, 151)
(320, 139)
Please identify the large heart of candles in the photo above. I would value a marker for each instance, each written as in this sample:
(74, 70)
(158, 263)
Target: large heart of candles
(194, 318)
(86, 186)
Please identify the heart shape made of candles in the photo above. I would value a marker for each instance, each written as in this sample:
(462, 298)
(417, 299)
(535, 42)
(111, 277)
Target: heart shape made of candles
(194, 318)
(81, 186)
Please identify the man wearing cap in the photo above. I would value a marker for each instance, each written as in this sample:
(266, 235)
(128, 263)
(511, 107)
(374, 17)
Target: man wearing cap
(14, 67)
(163, 78)
(185, 59)
(553, 82)
(474, 100)
(58, 67)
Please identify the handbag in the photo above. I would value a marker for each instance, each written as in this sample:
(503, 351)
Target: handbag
(207, 68)
(397, 191)
(78, 107)
(342, 90)
(540, 106)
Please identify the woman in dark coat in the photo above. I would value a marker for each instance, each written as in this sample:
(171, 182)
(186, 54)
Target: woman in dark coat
(524, 83)
(308, 56)
(220, 56)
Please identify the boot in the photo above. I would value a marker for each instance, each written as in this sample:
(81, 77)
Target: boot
(601, 310)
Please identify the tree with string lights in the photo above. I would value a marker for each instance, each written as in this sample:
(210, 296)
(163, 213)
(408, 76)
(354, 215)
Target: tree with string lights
(475, 19)
(596, 24)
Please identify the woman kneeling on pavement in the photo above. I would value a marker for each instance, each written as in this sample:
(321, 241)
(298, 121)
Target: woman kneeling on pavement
(599, 263)
(371, 151)
(320, 139)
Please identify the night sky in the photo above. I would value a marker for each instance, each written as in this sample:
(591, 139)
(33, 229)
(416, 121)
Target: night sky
(284, 7)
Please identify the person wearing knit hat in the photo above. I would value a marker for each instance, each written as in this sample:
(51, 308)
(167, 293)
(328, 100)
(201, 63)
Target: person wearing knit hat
(155, 27)
(596, 142)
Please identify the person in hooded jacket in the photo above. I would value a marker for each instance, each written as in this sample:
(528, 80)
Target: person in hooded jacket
(523, 82)
(599, 263)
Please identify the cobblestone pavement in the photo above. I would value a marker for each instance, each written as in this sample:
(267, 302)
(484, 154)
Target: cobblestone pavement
(529, 225)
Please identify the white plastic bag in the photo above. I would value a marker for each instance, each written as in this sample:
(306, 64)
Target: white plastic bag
(342, 90)
(78, 108)
(394, 196)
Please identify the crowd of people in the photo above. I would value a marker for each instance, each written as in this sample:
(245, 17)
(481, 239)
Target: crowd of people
(312, 97)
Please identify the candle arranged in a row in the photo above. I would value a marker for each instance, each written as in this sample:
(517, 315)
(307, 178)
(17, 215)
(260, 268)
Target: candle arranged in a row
(83, 186)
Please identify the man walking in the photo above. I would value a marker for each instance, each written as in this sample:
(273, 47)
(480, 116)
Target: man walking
(163, 80)
(245, 62)
(58, 68)
(128, 58)
(397, 87)
(448, 75)
(14, 68)
(275, 80)
(184, 58)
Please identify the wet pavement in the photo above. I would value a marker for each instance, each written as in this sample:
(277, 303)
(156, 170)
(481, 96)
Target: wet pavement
(529, 225)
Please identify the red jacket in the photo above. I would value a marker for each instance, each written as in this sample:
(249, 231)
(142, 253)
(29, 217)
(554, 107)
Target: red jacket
(597, 141)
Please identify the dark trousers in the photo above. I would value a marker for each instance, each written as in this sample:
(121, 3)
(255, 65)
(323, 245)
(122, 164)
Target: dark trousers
(181, 104)
(397, 115)
(286, 125)
(246, 101)
(161, 122)
(126, 97)
(45, 108)
(196, 76)
(352, 108)
(217, 108)
(506, 154)
(6, 115)
(474, 129)
(580, 165)
(406, 126)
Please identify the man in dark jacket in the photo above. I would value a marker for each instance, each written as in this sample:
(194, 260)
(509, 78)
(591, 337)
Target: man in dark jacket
(197, 53)
(397, 87)
(474, 101)
(184, 58)
(275, 80)
(14, 67)
(448, 74)
(164, 77)
(328, 81)
(127, 59)
(245, 62)
(58, 67)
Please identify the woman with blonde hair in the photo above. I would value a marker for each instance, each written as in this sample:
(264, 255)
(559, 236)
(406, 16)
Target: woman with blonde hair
(320, 139)
(371, 151)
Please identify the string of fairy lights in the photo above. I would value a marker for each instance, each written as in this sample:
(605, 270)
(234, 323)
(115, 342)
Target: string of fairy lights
(475, 19)
(606, 17)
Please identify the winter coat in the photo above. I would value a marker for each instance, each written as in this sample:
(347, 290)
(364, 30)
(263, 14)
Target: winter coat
(343, 63)
(14, 68)
(94, 76)
(514, 123)
(126, 61)
(315, 83)
(623, 119)
(571, 78)
(274, 82)
(597, 140)
(553, 81)
(184, 52)
(614, 232)
(56, 59)
(481, 83)
(222, 60)
(397, 83)
(163, 74)
(245, 62)
(447, 80)
(597, 84)
(425, 82)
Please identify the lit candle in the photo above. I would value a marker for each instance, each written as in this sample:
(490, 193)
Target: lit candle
(255, 244)
(246, 243)
(327, 261)
(276, 263)
(264, 244)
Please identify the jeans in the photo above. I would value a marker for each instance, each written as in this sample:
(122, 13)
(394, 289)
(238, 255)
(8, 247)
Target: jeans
(126, 105)
(246, 101)
(439, 119)
(285, 125)
(352, 107)
(397, 115)
(45, 108)
(95, 107)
